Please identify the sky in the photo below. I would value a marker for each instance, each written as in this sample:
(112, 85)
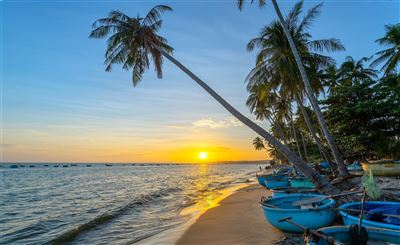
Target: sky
(59, 105)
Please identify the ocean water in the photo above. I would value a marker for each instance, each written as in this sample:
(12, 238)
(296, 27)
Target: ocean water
(106, 204)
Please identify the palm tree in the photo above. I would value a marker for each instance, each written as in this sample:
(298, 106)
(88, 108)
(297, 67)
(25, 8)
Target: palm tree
(133, 42)
(259, 101)
(258, 144)
(308, 89)
(390, 56)
(275, 60)
(354, 70)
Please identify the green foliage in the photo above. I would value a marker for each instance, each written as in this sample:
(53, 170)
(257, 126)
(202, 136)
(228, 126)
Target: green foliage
(364, 116)
(133, 43)
(389, 57)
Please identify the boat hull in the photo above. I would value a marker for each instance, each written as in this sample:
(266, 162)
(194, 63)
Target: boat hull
(342, 234)
(349, 219)
(284, 182)
(262, 178)
(301, 182)
(383, 169)
(278, 208)
(287, 191)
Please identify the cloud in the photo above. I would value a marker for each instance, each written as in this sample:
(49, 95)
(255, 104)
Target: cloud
(210, 123)
(10, 146)
(38, 133)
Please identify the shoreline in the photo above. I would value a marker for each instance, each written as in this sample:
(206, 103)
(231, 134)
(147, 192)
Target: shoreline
(237, 219)
(171, 236)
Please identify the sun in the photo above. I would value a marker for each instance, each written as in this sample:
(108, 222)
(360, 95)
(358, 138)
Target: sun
(203, 155)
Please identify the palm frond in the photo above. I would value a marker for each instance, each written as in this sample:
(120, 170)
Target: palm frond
(310, 17)
(154, 14)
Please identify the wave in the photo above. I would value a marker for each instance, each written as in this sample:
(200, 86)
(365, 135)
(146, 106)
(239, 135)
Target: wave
(109, 216)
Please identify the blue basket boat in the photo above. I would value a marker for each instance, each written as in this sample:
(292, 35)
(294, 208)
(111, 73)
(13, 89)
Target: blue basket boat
(289, 190)
(279, 208)
(373, 214)
(343, 234)
(262, 178)
(282, 182)
(301, 182)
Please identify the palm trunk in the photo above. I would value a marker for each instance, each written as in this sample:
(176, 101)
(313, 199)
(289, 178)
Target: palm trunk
(295, 135)
(304, 146)
(320, 182)
(335, 151)
(312, 130)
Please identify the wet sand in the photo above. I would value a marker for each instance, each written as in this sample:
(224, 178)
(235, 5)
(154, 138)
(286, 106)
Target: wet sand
(237, 220)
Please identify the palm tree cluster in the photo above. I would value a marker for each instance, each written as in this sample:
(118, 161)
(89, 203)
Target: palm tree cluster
(275, 87)
(282, 74)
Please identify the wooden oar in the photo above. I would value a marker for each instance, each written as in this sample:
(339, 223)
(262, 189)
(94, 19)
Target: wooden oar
(315, 233)
(369, 212)
(321, 198)
(362, 211)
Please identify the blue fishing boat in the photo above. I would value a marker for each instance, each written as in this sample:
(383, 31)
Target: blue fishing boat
(311, 216)
(289, 190)
(344, 234)
(262, 178)
(376, 214)
(355, 167)
(301, 182)
(281, 182)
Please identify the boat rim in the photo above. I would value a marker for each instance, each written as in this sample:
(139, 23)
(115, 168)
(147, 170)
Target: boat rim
(331, 202)
(344, 214)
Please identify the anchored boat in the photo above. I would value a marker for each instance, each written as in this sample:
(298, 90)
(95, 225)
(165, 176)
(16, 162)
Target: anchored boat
(286, 191)
(385, 215)
(382, 167)
(279, 182)
(348, 235)
(311, 216)
(301, 182)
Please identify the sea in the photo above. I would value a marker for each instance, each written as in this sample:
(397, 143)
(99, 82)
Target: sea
(46, 203)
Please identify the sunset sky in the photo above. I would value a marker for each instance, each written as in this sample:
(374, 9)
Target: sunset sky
(58, 103)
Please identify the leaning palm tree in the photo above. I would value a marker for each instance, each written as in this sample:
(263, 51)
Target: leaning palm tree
(390, 56)
(134, 43)
(308, 89)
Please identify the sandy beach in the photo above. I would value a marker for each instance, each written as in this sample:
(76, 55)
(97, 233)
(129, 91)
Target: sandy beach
(237, 220)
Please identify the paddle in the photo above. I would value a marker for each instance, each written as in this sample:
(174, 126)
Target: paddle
(321, 198)
(362, 211)
(315, 233)
(368, 212)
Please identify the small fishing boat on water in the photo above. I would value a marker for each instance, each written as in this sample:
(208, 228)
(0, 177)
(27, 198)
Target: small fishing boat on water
(312, 216)
(382, 167)
(351, 235)
(65, 166)
(108, 165)
(385, 215)
(32, 166)
(14, 166)
(88, 165)
(74, 165)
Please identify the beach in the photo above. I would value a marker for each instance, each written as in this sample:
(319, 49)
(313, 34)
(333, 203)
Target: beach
(237, 219)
